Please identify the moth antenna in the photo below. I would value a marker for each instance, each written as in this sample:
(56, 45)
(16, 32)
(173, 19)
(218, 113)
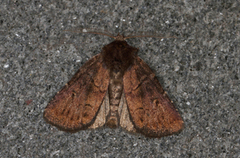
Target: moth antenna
(101, 33)
(137, 36)
(93, 32)
(119, 37)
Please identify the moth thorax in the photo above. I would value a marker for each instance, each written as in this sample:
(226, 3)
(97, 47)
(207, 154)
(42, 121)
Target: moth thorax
(115, 92)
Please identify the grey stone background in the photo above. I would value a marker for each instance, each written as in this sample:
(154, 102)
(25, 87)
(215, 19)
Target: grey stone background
(199, 69)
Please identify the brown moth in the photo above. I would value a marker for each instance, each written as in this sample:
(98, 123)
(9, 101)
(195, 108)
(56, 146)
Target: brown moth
(115, 88)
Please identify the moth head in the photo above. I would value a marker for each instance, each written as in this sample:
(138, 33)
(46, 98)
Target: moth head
(118, 55)
(119, 37)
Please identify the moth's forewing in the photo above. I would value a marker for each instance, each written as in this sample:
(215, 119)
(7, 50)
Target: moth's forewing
(150, 109)
(75, 106)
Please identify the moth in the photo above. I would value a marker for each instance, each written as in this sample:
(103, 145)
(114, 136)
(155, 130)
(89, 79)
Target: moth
(115, 88)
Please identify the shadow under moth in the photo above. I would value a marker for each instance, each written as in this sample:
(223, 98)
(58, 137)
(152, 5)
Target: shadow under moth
(115, 88)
